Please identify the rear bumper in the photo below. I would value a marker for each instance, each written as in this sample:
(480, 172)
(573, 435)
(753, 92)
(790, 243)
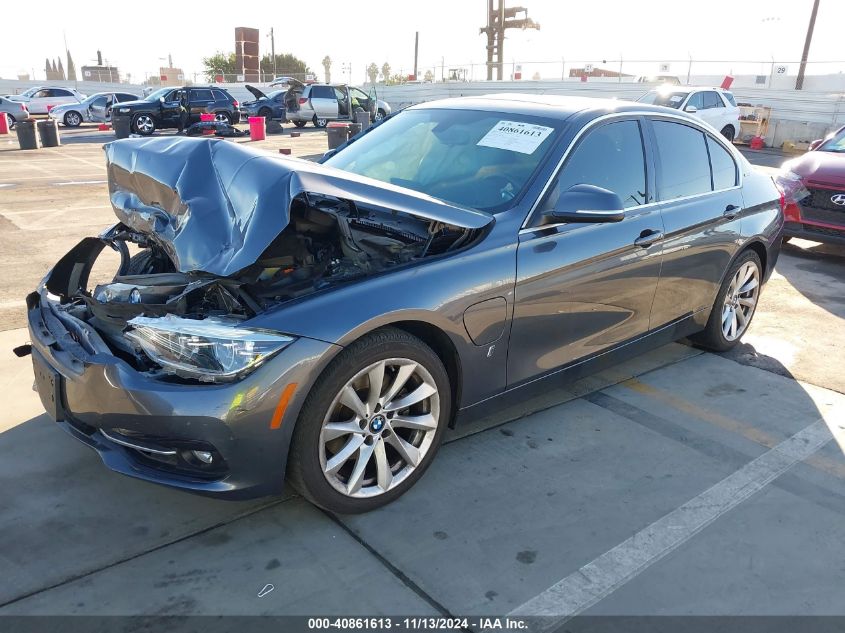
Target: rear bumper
(815, 232)
(99, 398)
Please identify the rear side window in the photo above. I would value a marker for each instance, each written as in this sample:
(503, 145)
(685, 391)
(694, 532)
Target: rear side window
(730, 97)
(712, 100)
(322, 92)
(125, 97)
(684, 163)
(219, 95)
(724, 167)
(201, 95)
(58, 92)
(610, 157)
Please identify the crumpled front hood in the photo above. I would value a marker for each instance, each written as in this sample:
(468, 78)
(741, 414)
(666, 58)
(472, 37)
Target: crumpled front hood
(215, 206)
(821, 167)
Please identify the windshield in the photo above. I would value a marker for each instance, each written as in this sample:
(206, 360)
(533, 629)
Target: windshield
(30, 92)
(475, 159)
(835, 144)
(158, 94)
(662, 98)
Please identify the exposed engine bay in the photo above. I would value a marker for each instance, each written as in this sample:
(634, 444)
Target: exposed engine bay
(327, 242)
(211, 234)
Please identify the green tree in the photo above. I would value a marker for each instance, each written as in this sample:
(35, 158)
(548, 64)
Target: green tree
(385, 72)
(397, 79)
(429, 76)
(219, 63)
(286, 64)
(372, 72)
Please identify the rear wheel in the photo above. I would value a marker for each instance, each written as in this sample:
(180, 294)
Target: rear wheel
(372, 423)
(299, 123)
(222, 117)
(320, 122)
(72, 119)
(728, 132)
(143, 124)
(734, 306)
(266, 113)
(12, 120)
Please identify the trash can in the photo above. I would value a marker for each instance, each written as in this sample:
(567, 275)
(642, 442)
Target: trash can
(338, 134)
(48, 133)
(122, 125)
(27, 138)
(257, 130)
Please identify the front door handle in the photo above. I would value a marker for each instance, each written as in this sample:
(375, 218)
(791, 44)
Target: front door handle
(731, 211)
(648, 238)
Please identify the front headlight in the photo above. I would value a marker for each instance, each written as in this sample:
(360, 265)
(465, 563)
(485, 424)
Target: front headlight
(123, 110)
(791, 185)
(211, 350)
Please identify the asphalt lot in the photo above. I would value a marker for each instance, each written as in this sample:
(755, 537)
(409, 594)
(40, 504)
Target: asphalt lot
(679, 483)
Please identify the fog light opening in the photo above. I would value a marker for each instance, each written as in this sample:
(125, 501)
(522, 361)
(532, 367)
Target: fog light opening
(206, 457)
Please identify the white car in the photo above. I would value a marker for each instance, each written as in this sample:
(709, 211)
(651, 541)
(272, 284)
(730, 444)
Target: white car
(41, 99)
(94, 109)
(712, 105)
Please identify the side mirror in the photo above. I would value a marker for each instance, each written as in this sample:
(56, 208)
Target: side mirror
(691, 109)
(161, 99)
(816, 143)
(587, 203)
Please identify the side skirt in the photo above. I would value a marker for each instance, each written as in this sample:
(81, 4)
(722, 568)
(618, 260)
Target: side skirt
(585, 367)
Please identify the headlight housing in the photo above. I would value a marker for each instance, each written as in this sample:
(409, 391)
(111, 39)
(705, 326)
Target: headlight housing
(210, 350)
(791, 185)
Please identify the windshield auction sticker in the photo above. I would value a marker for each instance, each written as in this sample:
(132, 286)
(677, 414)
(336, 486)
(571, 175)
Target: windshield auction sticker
(516, 137)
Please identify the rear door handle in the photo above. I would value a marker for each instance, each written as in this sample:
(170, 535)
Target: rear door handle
(648, 238)
(731, 211)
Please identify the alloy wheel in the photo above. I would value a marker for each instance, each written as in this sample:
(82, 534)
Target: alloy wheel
(144, 124)
(740, 301)
(379, 427)
(221, 117)
(72, 119)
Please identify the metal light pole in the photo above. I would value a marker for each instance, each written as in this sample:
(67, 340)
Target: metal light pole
(273, 50)
(799, 83)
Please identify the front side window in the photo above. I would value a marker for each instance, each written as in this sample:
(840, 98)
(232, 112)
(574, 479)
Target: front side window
(476, 159)
(610, 157)
(684, 163)
(100, 101)
(723, 165)
(663, 98)
(712, 100)
(695, 100)
(42, 94)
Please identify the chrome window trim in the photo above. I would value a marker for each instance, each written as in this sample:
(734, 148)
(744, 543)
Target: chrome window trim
(623, 115)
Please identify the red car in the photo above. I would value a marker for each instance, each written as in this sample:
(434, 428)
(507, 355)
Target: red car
(814, 191)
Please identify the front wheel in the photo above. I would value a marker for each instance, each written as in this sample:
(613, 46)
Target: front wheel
(734, 306)
(72, 119)
(143, 124)
(372, 423)
(380, 114)
(320, 122)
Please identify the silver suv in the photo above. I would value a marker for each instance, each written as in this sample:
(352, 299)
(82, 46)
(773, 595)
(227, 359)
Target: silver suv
(321, 103)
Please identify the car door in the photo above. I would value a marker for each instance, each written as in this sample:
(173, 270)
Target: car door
(324, 102)
(97, 111)
(701, 204)
(170, 107)
(583, 288)
(38, 103)
(713, 109)
(364, 101)
(199, 101)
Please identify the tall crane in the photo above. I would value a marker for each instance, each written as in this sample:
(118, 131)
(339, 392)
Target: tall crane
(500, 18)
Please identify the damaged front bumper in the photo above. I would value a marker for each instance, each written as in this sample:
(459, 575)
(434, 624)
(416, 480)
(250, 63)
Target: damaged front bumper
(163, 432)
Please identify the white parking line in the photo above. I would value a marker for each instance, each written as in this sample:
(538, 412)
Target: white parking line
(80, 182)
(607, 573)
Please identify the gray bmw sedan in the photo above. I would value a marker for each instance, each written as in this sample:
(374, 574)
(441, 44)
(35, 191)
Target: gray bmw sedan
(273, 317)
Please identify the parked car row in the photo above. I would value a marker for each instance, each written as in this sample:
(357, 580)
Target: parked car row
(40, 99)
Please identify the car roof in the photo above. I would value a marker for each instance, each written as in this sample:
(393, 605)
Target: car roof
(550, 106)
(686, 89)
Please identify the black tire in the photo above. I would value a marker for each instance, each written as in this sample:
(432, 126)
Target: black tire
(144, 131)
(319, 123)
(380, 114)
(72, 118)
(223, 117)
(12, 121)
(266, 113)
(304, 469)
(712, 337)
(728, 132)
(785, 239)
(299, 123)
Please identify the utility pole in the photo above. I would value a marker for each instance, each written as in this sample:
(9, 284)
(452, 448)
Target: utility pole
(498, 19)
(799, 83)
(273, 50)
(416, 53)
